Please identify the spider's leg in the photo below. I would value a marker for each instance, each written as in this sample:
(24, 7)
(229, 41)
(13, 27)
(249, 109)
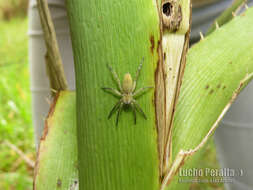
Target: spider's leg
(137, 74)
(141, 90)
(139, 109)
(114, 108)
(112, 90)
(134, 110)
(119, 110)
(115, 76)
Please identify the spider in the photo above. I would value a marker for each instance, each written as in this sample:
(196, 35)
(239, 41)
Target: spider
(127, 93)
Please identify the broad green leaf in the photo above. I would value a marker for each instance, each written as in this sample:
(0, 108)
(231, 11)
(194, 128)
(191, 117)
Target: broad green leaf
(56, 166)
(217, 69)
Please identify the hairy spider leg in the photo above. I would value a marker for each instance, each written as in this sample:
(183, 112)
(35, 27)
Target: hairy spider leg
(115, 107)
(115, 76)
(112, 90)
(119, 110)
(134, 111)
(137, 74)
(139, 109)
(141, 90)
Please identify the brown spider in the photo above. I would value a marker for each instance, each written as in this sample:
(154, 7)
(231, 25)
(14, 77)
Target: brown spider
(126, 93)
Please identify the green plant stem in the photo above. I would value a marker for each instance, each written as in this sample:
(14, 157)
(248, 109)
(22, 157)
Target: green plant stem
(53, 60)
(118, 33)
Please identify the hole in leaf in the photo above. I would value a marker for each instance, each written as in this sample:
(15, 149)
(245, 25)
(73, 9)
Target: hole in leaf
(167, 7)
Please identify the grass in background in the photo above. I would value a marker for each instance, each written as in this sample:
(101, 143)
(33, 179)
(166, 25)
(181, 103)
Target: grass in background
(13, 8)
(15, 108)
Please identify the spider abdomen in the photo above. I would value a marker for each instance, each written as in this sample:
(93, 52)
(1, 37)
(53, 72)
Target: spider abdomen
(127, 83)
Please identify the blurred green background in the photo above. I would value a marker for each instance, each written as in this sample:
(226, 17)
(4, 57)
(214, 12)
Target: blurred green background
(17, 149)
(16, 131)
(13, 8)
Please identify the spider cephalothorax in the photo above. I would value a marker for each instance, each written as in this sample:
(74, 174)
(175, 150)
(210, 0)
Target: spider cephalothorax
(127, 93)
